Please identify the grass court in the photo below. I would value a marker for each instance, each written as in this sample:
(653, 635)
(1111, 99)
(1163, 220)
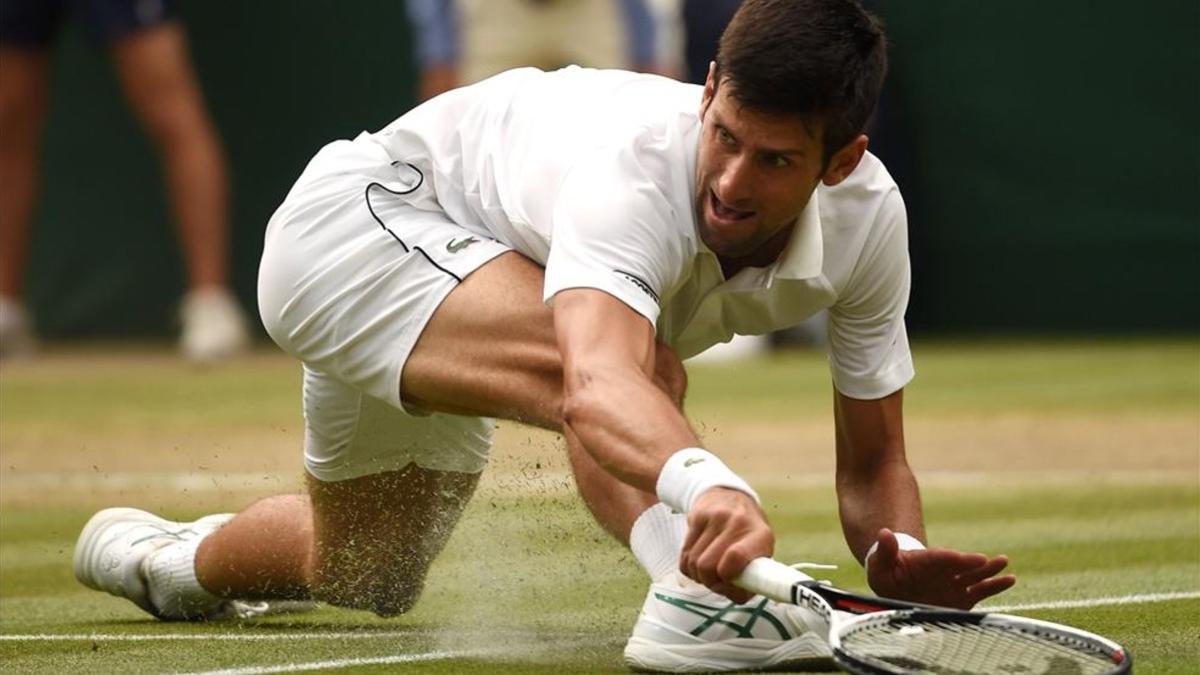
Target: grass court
(1080, 460)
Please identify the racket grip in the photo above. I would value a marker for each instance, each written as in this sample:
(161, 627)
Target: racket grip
(770, 578)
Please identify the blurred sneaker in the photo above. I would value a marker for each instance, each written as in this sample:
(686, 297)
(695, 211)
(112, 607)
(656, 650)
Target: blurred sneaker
(214, 326)
(16, 330)
(685, 628)
(116, 554)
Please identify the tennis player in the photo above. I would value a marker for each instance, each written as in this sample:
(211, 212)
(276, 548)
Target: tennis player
(546, 247)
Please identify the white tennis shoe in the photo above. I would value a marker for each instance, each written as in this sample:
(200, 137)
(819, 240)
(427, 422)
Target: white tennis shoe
(16, 330)
(685, 628)
(214, 327)
(116, 546)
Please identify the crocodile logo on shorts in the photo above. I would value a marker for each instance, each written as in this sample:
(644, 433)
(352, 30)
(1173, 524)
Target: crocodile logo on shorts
(455, 245)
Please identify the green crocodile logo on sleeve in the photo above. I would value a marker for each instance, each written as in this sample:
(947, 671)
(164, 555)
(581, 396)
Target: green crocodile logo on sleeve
(455, 246)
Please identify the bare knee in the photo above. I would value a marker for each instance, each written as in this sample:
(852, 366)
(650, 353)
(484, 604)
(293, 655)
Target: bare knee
(375, 536)
(383, 600)
(669, 373)
(387, 587)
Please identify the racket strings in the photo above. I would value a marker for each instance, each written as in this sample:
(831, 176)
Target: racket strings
(953, 648)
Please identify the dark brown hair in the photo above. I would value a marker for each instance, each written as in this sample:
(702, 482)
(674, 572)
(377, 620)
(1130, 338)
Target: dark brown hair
(821, 60)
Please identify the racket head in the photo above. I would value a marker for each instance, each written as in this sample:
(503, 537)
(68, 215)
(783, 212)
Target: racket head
(902, 642)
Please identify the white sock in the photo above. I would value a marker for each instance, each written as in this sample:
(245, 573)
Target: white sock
(174, 589)
(657, 538)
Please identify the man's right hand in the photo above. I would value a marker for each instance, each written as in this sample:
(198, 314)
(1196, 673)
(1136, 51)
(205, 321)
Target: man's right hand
(726, 530)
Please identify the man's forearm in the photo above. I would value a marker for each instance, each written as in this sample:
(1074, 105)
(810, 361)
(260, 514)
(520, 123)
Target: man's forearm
(886, 496)
(625, 422)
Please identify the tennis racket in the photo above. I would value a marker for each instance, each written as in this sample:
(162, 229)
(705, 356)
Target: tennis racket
(893, 637)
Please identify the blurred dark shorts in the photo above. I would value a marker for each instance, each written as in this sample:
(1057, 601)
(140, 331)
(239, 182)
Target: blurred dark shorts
(33, 24)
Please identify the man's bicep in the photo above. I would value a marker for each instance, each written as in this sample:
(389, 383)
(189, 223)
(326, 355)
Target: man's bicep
(595, 327)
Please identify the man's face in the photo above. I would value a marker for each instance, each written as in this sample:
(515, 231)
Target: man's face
(754, 175)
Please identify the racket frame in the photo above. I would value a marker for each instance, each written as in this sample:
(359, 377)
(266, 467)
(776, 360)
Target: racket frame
(1082, 640)
(783, 584)
(871, 610)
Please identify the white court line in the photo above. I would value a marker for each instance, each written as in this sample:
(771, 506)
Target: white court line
(1095, 602)
(198, 480)
(381, 660)
(235, 637)
(210, 480)
(366, 635)
(339, 663)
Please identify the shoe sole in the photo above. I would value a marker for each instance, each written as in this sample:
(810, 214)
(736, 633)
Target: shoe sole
(799, 653)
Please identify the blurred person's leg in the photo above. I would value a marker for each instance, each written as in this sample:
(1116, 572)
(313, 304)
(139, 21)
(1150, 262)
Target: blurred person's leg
(24, 80)
(27, 28)
(156, 74)
(589, 33)
(499, 35)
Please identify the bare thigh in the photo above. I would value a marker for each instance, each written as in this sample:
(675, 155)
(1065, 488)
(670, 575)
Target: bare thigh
(375, 536)
(490, 349)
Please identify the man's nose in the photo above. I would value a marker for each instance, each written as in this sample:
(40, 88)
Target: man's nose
(734, 184)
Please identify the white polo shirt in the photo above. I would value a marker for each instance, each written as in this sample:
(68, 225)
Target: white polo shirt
(592, 174)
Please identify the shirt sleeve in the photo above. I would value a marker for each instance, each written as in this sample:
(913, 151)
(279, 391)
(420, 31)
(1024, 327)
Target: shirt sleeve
(614, 230)
(868, 344)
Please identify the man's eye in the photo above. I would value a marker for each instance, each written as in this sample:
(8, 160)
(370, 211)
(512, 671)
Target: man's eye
(724, 136)
(779, 161)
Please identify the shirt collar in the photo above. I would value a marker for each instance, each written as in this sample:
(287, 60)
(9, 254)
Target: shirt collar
(801, 258)
(804, 253)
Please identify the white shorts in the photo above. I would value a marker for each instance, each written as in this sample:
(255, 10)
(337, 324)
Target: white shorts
(350, 276)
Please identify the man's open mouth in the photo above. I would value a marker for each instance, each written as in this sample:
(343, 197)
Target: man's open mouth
(723, 212)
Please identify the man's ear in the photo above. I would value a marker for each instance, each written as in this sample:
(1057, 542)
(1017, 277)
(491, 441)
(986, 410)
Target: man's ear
(844, 161)
(710, 88)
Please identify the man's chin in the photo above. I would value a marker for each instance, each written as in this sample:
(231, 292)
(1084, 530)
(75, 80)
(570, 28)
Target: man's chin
(729, 251)
(720, 246)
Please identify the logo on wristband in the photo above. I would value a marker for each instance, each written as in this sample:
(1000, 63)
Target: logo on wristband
(692, 460)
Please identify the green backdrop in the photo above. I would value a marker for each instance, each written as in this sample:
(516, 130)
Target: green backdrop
(1048, 152)
(1051, 157)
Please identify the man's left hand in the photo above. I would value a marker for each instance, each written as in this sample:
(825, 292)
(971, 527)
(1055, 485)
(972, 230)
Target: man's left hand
(935, 576)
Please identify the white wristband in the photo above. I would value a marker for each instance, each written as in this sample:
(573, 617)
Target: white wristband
(907, 543)
(690, 473)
